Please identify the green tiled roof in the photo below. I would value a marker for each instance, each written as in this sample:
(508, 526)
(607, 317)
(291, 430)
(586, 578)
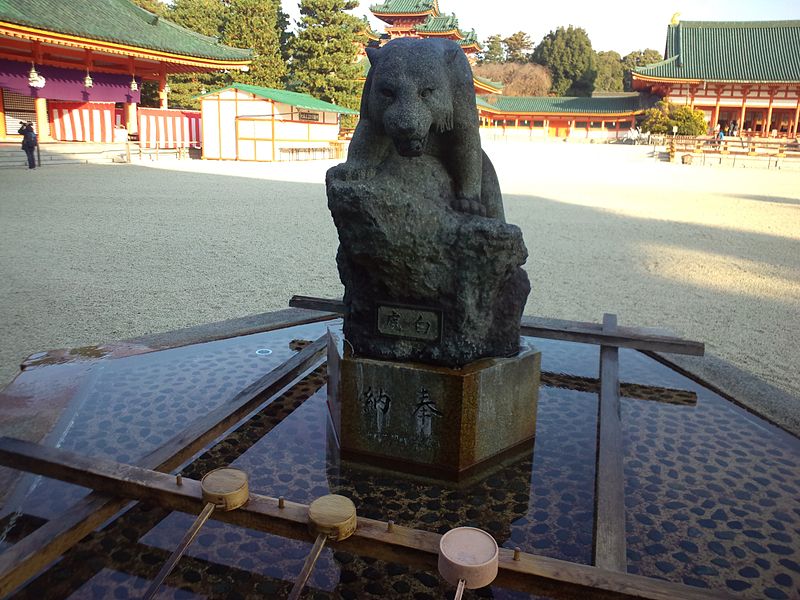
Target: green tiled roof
(470, 37)
(399, 7)
(439, 24)
(292, 98)
(495, 84)
(368, 30)
(568, 105)
(758, 51)
(117, 21)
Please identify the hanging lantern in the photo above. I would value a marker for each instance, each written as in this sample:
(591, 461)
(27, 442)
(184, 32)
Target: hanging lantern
(33, 76)
(134, 85)
(87, 81)
(166, 89)
(34, 79)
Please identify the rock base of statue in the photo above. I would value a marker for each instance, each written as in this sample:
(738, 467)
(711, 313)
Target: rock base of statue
(423, 282)
(429, 420)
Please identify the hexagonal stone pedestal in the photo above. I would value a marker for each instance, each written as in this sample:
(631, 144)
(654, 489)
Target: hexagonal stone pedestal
(430, 420)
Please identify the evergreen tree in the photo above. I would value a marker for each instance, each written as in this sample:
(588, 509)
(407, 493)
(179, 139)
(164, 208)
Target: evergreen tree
(569, 56)
(325, 49)
(609, 71)
(202, 16)
(255, 24)
(494, 50)
(665, 115)
(518, 47)
(207, 17)
(638, 58)
(154, 6)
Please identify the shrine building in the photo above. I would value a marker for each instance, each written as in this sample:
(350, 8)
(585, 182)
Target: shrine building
(747, 73)
(524, 118)
(422, 19)
(75, 68)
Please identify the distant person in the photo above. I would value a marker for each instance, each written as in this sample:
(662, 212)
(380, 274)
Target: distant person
(720, 138)
(29, 142)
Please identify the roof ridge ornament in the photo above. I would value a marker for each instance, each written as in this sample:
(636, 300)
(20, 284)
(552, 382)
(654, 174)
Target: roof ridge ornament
(676, 19)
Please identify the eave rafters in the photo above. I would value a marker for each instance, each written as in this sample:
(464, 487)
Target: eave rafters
(174, 62)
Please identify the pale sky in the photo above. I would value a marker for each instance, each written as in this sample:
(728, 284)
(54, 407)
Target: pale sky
(621, 25)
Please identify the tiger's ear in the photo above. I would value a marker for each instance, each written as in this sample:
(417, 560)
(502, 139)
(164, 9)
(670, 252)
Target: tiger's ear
(373, 54)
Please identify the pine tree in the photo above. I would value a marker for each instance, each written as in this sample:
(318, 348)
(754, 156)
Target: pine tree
(255, 24)
(494, 50)
(518, 47)
(207, 17)
(325, 49)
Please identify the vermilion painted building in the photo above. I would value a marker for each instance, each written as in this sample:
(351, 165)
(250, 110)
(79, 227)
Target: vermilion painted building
(538, 117)
(422, 18)
(742, 72)
(75, 67)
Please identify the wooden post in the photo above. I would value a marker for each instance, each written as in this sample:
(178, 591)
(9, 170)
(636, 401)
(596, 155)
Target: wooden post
(638, 338)
(272, 104)
(131, 123)
(742, 115)
(3, 132)
(715, 113)
(523, 572)
(797, 118)
(42, 120)
(609, 535)
(163, 101)
(768, 124)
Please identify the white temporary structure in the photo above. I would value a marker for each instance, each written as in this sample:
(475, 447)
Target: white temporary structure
(248, 122)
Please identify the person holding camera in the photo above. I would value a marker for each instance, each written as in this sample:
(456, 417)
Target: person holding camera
(29, 142)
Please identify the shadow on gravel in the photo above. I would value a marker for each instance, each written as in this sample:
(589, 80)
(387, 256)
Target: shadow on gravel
(771, 199)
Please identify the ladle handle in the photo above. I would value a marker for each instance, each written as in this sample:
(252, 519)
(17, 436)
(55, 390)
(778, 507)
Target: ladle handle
(188, 538)
(460, 589)
(308, 566)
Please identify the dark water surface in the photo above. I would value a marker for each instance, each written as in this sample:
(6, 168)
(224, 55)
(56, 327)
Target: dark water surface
(712, 492)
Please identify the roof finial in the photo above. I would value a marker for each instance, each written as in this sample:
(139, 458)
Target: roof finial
(676, 19)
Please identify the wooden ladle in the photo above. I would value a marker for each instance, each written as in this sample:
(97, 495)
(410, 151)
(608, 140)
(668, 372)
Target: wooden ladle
(225, 489)
(330, 517)
(468, 558)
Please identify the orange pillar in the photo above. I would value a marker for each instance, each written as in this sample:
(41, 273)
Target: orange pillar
(162, 88)
(715, 116)
(744, 111)
(131, 121)
(3, 132)
(768, 124)
(42, 121)
(796, 118)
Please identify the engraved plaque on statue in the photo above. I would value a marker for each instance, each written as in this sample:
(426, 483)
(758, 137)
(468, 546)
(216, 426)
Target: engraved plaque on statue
(409, 322)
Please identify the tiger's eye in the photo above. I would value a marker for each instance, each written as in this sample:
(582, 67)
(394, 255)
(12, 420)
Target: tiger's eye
(386, 92)
(426, 92)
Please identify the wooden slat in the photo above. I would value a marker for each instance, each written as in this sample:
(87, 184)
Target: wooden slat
(609, 537)
(634, 391)
(530, 574)
(51, 540)
(637, 338)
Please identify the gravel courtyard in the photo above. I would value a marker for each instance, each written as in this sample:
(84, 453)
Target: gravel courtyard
(91, 253)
